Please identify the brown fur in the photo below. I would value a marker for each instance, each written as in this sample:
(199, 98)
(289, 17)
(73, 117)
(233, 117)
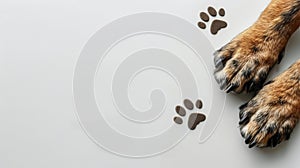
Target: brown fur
(243, 65)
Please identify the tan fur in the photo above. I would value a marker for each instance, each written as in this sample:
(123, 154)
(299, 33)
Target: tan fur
(279, 102)
(243, 65)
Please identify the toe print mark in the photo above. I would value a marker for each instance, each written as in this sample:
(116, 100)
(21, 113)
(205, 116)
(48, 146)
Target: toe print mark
(178, 120)
(212, 11)
(204, 16)
(222, 12)
(216, 24)
(199, 104)
(188, 104)
(194, 119)
(180, 110)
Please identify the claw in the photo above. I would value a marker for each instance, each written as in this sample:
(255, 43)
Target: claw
(244, 120)
(231, 87)
(248, 139)
(270, 143)
(242, 113)
(242, 134)
(252, 144)
(243, 106)
(223, 84)
(288, 135)
(218, 63)
(276, 139)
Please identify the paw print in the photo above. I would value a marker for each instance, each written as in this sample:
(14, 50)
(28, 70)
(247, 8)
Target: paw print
(216, 24)
(194, 118)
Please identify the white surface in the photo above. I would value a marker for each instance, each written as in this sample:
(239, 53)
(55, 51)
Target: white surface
(40, 42)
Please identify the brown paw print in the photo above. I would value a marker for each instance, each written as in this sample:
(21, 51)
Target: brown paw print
(216, 24)
(194, 118)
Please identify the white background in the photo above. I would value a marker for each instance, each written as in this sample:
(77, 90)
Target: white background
(40, 42)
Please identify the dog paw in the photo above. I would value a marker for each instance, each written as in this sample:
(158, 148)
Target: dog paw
(244, 63)
(269, 118)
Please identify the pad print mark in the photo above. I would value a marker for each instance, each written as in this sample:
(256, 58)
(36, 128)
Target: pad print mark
(194, 118)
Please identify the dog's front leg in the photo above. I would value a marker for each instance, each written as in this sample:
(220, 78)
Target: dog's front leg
(272, 114)
(244, 63)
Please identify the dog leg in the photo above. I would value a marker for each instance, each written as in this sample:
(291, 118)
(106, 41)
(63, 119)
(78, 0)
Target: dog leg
(269, 118)
(244, 63)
